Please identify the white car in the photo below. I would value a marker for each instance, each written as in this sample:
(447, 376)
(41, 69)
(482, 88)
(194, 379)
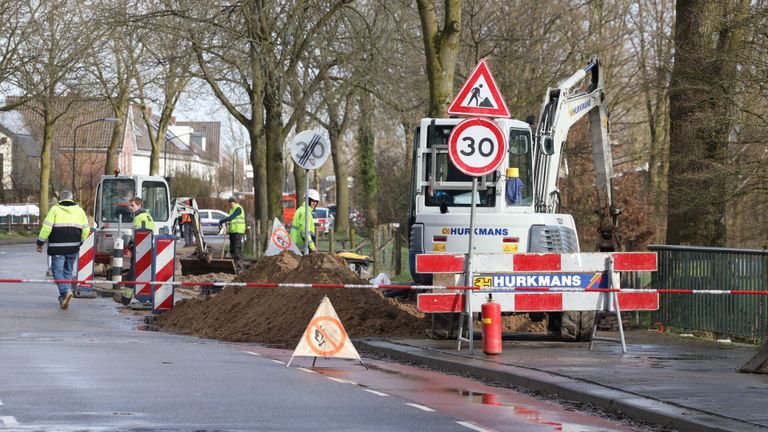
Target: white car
(209, 220)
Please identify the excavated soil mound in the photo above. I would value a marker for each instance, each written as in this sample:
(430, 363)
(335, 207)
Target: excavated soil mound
(279, 316)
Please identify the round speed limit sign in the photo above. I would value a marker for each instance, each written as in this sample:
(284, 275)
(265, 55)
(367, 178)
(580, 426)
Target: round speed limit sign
(477, 146)
(309, 149)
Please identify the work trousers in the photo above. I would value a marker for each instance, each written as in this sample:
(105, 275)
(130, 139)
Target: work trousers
(188, 233)
(62, 267)
(235, 250)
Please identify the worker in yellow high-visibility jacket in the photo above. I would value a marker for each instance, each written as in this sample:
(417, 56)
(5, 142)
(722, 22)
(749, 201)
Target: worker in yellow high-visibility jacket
(303, 218)
(236, 229)
(65, 228)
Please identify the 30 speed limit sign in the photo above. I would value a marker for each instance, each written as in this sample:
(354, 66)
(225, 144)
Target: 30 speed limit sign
(477, 146)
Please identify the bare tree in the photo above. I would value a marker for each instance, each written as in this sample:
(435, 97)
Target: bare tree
(254, 49)
(58, 40)
(112, 64)
(162, 73)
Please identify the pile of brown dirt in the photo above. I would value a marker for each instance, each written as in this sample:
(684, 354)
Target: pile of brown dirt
(279, 316)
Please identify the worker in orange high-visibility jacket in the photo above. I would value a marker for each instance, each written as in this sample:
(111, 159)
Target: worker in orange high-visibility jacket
(64, 229)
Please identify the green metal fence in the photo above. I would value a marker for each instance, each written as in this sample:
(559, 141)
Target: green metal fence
(702, 269)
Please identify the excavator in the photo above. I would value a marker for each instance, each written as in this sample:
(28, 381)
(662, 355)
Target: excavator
(518, 205)
(113, 220)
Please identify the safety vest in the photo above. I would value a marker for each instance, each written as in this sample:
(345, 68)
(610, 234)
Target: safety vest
(237, 225)
(143, 216)
(297, 228)
(65, 227)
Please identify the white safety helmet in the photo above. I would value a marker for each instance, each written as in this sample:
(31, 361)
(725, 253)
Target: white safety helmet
(313, 195)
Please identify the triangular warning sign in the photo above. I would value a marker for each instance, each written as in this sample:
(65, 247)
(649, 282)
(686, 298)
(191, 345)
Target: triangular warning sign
(480, 95)
(325, 336)
(280, 240)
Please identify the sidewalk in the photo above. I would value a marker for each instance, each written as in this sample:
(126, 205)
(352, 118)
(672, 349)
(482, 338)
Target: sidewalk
(688, 384)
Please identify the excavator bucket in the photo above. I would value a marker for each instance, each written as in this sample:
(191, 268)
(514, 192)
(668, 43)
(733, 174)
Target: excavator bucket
(195, 266)
(758, 363)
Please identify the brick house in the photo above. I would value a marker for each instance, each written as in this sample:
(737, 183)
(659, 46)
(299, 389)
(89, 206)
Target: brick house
(190, 146)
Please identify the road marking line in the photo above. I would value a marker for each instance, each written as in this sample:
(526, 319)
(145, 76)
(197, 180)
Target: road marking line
(473, 427)
(342, 381)
(1, 403)
(421, 407)
(306, 370)
(377, 393)
(9, 421)
(252, 353)
(278, 361)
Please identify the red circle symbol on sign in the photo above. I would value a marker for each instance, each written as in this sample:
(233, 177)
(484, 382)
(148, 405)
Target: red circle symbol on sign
(477, 146)
(281, 239)
(326, 336)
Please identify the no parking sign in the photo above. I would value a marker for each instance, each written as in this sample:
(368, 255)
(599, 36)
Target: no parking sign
(280, 240)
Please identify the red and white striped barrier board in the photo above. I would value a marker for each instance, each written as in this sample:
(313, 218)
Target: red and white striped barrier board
(85, 264)
(143, 254)
(165, 257)
(533, 262)
(539, 302)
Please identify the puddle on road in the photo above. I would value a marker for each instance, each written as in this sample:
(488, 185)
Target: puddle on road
(528, 414)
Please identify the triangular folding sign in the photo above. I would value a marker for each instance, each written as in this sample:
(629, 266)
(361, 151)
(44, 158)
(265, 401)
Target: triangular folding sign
(325, 336)
(480, 95)
(280, 240)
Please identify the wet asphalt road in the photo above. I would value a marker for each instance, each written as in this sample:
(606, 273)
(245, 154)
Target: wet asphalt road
(91, 368)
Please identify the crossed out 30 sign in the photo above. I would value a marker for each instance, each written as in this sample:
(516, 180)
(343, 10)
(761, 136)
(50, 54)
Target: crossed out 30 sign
(477, 146)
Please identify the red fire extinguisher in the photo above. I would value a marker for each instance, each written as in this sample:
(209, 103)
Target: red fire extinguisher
(491, 312)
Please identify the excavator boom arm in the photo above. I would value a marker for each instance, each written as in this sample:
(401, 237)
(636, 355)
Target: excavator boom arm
(564, 106)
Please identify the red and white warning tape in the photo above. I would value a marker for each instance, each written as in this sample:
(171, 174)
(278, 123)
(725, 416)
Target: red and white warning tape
(391, 286)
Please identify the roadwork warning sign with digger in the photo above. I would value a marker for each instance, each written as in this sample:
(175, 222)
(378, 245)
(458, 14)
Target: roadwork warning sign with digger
(325, 336)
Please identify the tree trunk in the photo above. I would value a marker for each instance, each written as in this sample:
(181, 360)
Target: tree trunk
(118, 132)
(701, 119)
(368, 176)
(45, 169)
(441, 48)
(342, 187)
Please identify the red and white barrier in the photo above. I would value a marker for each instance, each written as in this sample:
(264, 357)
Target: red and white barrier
(165, 257)
(85, 268)
(533, 262)
(540, 302)
(560, 300)
(143, 241)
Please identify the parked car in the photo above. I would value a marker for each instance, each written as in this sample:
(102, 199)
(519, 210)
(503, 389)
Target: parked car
(209, 220)
(324, 220)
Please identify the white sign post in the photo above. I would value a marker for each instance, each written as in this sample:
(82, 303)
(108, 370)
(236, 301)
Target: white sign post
(476, 147)
(309, 150)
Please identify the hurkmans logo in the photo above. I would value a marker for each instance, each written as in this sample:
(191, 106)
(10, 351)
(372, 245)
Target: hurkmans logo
(542, 280)
(478, 231)
(580, 107)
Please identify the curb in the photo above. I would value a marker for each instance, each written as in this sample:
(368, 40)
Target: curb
(610, 399)
(18, 241)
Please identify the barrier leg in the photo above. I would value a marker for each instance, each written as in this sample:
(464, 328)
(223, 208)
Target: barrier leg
(613, 299)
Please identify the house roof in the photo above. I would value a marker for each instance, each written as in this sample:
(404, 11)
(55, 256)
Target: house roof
(74, 115)
(93, 134)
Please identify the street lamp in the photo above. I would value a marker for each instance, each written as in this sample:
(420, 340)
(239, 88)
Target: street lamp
(74, 146)
(234, 154)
